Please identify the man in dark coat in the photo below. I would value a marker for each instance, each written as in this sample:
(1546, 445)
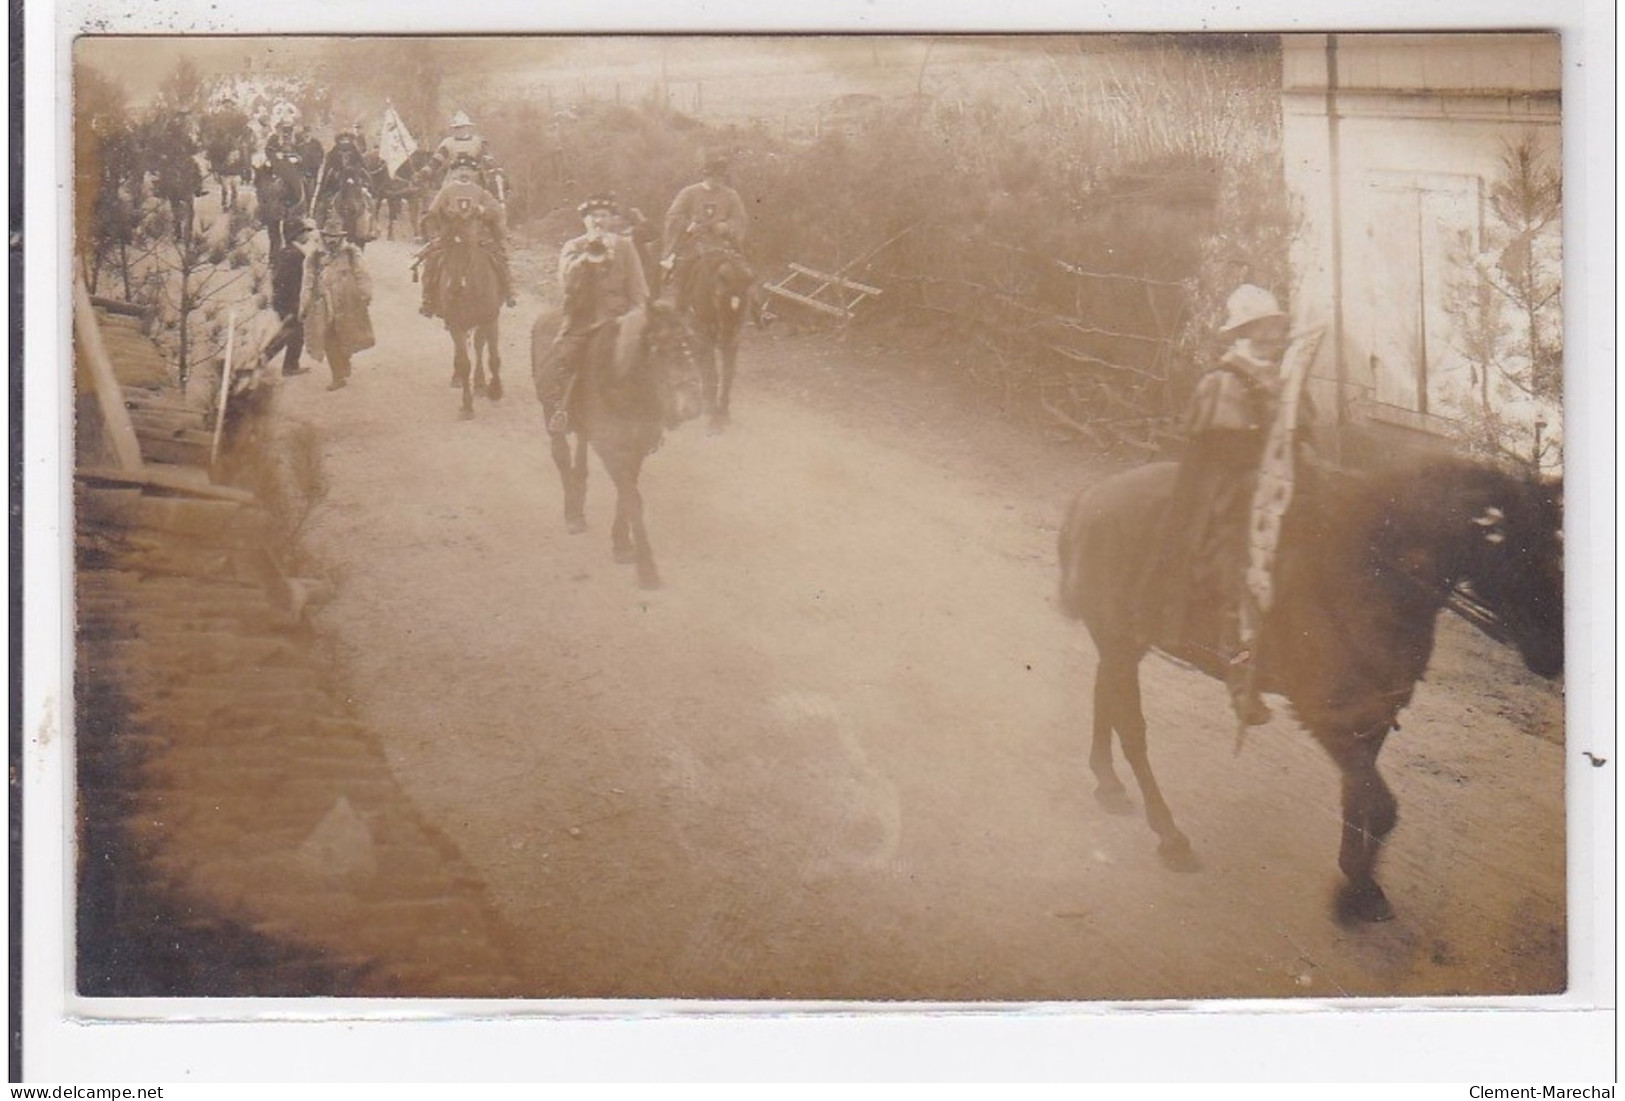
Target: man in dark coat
(310, 158)
(344, 163)
(287, 281)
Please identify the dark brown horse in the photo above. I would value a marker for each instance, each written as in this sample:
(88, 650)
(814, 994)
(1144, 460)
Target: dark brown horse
(469, 294)
(1365, 565)
(638, 380)
(354, 205)
(720, 296)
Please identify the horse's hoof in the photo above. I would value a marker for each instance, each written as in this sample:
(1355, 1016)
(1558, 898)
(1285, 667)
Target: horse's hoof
(465, 414)
(1362, 905)
(1176, 854)
(1115, 800)
(494, 390)
(624, 556)
(648, 577)
(575, 525)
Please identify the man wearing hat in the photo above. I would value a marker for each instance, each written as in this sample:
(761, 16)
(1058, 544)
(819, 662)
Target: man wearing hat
(287, 281)
(461, 198)
(463, 141)
(337, 292)
(1206, 528)
(282, 143)
(705, 216)
(603, 280)
(343, 165)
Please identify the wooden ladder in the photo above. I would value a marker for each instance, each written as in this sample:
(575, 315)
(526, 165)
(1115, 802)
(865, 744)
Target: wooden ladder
(831, 294)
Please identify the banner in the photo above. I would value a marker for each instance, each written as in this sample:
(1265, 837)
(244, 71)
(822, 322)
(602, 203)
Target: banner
(1276, 478)
(395, 142)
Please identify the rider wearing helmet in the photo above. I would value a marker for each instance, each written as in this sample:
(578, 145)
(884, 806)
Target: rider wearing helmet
(463, 141)
(705, 216)
(1230, 414)
(462, 198)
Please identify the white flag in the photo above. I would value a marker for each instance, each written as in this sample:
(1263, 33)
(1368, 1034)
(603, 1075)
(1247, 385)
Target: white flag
(395, 142)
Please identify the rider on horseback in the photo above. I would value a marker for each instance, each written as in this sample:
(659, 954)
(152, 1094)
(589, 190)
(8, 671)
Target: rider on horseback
(344, 164)
(460, 143)
(463, 199)
(603, 280)
(1206, 556)
(704, 217)
(281, 146)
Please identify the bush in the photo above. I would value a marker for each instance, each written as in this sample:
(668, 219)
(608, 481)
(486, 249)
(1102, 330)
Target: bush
(1086, 229)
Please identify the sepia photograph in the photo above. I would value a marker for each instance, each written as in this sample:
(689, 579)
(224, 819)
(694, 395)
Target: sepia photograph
(823, 520)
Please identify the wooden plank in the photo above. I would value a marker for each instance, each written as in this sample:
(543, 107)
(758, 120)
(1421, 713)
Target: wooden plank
(849, 284)
(192, 481)
(780, 292)
(109, 394)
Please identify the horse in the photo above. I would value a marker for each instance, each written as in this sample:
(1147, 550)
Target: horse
(469, 293)
(637, 380)
(720, 295)
(1364, 565)
(353, 203)
(279, 192)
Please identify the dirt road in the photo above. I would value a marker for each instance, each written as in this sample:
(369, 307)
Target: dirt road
(842, 753)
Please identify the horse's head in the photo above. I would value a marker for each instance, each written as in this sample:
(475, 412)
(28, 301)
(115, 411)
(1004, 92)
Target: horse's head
(729, 283)
(674, 370)
(1510, 530)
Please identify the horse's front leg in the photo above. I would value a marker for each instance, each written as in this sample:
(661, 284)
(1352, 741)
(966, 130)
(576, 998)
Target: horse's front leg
(493, 351)
(480, 384)
(729, 349)
(708, 376)
(629, 541)
(461, 373)
(1370, 812)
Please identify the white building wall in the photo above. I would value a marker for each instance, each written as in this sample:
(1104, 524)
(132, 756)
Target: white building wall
(1390, 195)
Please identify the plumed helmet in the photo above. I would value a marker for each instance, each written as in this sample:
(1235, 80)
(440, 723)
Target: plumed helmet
(604, 200)
(1247, 305)
(461, 119)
